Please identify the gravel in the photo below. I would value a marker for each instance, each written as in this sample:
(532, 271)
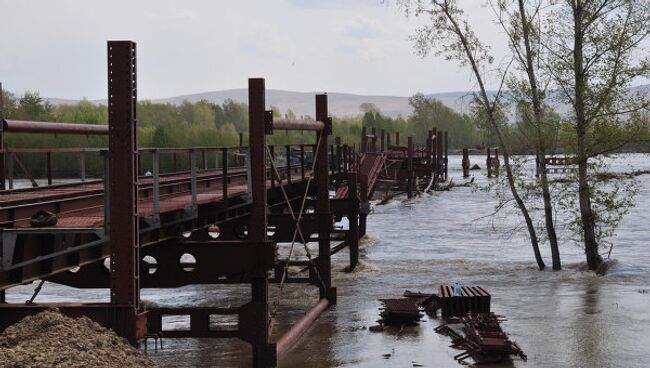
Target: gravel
(50, 339)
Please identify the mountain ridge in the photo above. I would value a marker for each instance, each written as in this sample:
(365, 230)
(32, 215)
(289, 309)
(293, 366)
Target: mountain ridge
(341, 104)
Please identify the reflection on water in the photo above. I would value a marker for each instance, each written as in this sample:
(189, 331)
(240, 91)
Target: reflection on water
(570, 318)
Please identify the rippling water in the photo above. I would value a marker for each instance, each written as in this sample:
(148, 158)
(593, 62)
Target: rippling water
(570, 318)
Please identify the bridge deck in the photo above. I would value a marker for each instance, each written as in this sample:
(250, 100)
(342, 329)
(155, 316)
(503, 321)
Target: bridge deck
(82, 204)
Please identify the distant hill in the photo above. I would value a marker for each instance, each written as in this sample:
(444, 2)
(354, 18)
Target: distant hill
(340, 104)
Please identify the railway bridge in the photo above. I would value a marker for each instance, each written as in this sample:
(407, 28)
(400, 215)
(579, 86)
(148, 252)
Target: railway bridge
(204, 225)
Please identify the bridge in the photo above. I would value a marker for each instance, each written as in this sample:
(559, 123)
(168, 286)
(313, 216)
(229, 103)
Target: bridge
(204, 225)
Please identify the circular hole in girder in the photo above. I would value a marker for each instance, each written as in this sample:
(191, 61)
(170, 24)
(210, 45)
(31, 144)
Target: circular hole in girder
(187, 262)
(149, 265)
(214, 231)
(186, 234)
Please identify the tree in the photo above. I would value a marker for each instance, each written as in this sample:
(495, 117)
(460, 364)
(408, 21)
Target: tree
(520, 23)
(449, 34)
(593, 53)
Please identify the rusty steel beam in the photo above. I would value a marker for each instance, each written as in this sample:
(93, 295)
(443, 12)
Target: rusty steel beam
(22, 126)
(290, 337)
(297, 124)
(123, 223)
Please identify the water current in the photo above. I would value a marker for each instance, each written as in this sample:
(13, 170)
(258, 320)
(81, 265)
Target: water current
(570, 318)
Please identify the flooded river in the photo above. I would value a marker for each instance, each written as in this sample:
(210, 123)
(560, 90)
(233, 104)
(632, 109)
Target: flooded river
(570, 318)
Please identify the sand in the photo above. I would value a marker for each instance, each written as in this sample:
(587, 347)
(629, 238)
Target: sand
(50, 339)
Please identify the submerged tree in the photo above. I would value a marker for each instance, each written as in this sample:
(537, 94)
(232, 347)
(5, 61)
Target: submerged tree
(521, 20)
(593, 51)
(450, 34)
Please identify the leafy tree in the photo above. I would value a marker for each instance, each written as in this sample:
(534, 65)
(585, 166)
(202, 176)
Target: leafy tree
(593, 53)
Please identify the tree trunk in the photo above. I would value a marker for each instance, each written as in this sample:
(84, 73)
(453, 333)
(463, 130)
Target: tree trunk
(548, 212)
(489, 107)
(541, 149)
(584, 193)
(522, 207)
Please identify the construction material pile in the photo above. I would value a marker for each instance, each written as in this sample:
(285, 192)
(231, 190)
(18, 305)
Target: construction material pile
(50, 339)
(484, 340)
(399, 312)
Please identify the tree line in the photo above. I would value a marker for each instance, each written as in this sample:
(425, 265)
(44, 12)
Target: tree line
(207, 124)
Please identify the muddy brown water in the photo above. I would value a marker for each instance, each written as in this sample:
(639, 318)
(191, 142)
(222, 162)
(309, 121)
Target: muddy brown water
(570, 318)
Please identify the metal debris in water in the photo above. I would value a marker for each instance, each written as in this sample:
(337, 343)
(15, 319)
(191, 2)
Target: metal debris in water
(484, 339)
(399, 312)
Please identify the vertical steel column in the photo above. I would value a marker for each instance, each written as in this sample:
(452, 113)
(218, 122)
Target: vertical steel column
(123, 186)
(346, 159)
(240, 160)
(353, 221)
(321, 177)
(264, 354)
(409, 165)
(364, 140)
(446, 154)
(193, 182)
(288, 148)
(465, 163)
(48, 157)
(82, 165)
(2, 145)
(387, 141)
(224, 179)
(338, 154)
(374, 140)
(364, 205)
(272, 175)
(397, 138)
(302, 161)
(383, 140)
(156, 185)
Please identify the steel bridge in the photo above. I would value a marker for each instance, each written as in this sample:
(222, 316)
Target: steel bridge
(202, 225)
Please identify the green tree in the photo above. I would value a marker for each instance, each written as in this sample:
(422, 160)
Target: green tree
(594, 53)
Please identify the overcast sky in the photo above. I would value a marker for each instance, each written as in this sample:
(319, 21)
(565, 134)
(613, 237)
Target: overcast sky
(358, 46)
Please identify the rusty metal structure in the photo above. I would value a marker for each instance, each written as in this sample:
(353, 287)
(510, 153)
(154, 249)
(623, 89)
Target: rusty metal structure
(484, 340)
(492, 163)
(473, 299)
(555, 165)
(126, 231)
(387, 167)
